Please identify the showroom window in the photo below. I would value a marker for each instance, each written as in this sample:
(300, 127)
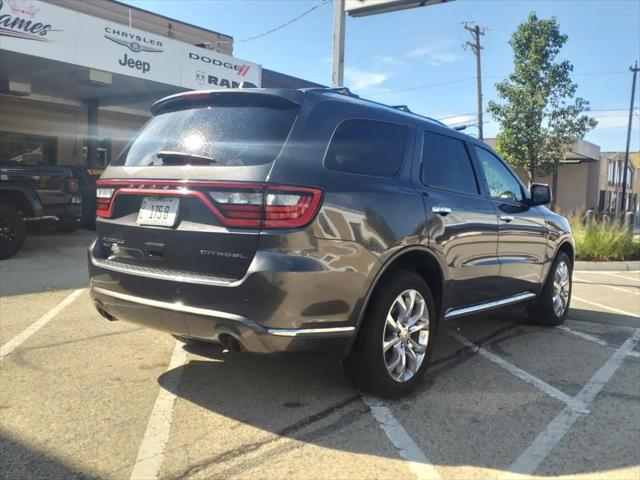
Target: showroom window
(23, 149)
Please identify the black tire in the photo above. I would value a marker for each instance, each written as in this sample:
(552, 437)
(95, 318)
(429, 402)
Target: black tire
(366, 364)
(12, 231)
(543, 311)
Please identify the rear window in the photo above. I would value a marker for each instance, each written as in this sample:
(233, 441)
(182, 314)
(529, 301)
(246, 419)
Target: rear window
(368, 147)
(228, 135)
(446, 164)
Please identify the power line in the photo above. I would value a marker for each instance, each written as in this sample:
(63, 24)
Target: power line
(419, 87)
(286, 24)
(466, 79)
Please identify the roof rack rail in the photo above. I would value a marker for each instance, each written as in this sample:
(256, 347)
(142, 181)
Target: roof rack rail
(342, 90)
(404, 108)
(346, 91)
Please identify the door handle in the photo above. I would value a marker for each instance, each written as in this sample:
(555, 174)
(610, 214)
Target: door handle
(506, 218)
(440, 210)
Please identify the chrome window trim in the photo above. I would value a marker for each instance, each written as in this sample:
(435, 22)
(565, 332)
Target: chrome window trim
(458, 312)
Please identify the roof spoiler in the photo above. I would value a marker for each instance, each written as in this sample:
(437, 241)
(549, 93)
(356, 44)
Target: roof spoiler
(242, 96)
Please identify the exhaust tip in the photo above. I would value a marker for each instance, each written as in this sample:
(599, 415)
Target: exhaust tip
(103, 312)
(230, 343)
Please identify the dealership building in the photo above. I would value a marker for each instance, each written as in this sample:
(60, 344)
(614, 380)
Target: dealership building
(77, 77)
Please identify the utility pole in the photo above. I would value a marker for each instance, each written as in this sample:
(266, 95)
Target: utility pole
(338, 43)
(476, 31)
(623, 201)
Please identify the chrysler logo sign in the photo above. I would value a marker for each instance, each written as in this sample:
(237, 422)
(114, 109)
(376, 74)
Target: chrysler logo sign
(133, 41)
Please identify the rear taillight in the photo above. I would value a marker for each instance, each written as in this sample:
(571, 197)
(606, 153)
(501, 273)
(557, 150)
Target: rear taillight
(72, 185)
(103, 201)
(266, 206)
(237, 205)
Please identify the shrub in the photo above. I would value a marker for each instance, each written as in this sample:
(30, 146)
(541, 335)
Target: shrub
(603, 240)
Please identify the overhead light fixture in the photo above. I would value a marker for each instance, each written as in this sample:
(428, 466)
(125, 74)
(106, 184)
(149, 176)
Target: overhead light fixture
(15, 88)
(94, 78)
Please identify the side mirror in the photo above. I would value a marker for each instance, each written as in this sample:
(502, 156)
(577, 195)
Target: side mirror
(540, 194)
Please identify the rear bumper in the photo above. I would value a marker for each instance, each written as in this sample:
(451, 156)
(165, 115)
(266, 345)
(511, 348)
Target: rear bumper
(284, 303)
(69, 213)
(218, 326)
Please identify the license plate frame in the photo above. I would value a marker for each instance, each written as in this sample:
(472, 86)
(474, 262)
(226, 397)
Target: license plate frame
(158, 211)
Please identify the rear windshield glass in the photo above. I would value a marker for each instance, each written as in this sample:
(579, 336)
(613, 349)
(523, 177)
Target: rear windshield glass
(213, 135)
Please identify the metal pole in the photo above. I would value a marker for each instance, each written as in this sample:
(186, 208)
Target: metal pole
(338, 43)
(476, 31)
(479, 80)
(623, 202)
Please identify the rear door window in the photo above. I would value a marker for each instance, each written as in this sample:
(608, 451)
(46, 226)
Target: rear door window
(446, 164)
(225, 135)
(368, 147)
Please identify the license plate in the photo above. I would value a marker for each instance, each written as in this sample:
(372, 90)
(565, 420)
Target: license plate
(159, 211)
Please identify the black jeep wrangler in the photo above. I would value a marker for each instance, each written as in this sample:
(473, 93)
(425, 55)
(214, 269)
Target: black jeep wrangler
(49, 194)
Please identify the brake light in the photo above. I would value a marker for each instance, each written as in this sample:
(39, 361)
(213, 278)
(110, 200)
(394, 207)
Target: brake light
(72, 185)
(236, 205)
(268, 206)
(103, 201)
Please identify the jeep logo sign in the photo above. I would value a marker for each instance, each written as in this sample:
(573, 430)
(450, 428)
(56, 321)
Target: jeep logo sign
(127, 61)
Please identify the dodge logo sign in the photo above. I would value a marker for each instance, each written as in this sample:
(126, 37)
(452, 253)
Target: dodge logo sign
(241, 70)
(201, 77)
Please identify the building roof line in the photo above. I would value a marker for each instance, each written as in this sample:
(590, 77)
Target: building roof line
(149, 12)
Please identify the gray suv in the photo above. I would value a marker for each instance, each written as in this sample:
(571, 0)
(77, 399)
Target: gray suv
(313, 220)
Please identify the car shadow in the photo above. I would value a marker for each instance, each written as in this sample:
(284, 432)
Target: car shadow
(604, 318)
(296, 396)
(19, 460)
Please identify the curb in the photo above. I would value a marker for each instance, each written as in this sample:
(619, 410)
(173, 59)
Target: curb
(607, 266)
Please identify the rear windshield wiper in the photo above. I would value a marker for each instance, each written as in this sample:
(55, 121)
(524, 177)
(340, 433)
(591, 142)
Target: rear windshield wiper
(180, 158)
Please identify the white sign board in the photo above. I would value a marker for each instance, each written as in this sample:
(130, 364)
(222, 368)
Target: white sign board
(361, 8)
(45, 30)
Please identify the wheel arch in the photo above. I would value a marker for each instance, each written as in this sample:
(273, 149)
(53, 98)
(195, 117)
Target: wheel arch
(564, 246)
(19, 199)
(419, 259)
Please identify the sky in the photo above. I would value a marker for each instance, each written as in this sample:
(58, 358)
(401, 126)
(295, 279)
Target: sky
(415, 57)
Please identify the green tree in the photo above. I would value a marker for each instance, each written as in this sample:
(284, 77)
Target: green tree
(539, 117)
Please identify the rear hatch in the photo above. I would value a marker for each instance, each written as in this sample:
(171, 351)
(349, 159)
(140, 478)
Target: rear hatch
(187, 196)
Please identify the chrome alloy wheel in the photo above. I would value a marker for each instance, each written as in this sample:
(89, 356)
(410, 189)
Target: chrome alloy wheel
(561, 289)
(406, 335)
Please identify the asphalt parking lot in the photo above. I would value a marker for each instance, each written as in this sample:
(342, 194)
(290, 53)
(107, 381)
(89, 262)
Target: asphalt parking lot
(81, 397)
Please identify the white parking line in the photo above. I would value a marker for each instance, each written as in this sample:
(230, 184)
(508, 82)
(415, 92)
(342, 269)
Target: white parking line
(628, 289)
(636, 276)
(605, 307)
(584, 336)
(511, 368)
(593, 339)
(19, 339)
(151, 452)
(421, 467)
(543, 445)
